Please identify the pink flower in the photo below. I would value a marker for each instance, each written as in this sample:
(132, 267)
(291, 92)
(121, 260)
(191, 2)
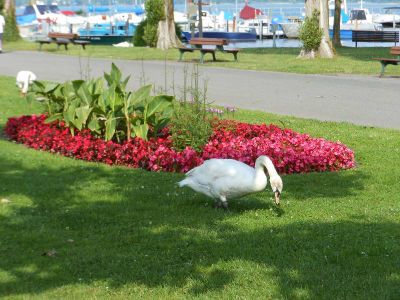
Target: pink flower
(290, 151)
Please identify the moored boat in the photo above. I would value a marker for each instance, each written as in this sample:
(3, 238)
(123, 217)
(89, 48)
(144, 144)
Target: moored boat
(291, 27)
(390, 18)
(108, 33)
(231, 36)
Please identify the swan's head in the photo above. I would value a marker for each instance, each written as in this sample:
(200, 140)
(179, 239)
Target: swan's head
(277, 186)
(274, 179)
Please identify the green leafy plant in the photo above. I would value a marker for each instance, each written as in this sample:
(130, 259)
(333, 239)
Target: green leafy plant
(11, 32)
(107, 110)
(191, 124)
(310, 33)
(139, 38)
(190, 127)
(154, 14)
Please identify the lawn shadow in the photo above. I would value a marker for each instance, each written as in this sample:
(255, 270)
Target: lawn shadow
(125, 226)
(328, 184)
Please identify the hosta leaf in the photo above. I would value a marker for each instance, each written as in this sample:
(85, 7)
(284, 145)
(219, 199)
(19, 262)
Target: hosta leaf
(94, 125)
(76, 84)
(49, 87)
(84, 94)
(141, 130)
(54, 118)
(141, 94)
(111, 124)
(159, 104)
(82, 113)
(77, 123)
(37, 86)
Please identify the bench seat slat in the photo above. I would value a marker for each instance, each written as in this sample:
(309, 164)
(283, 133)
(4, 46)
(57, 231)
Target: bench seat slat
(198, 44)
(388, 61)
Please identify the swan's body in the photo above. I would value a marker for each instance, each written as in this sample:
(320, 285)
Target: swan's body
(24, 80)
(224, 179)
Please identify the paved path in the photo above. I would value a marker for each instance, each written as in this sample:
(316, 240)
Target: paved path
(365, 100)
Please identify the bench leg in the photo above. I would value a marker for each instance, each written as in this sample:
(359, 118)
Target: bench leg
(213, 54)
(383, 66)
(235, 56)
(180, 55)
(40, 46)
(66, 46)
(202, 57)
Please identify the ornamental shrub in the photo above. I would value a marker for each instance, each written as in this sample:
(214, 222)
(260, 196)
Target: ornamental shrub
(191, 124)
(11, 32)
(310, 34)
(190, 127)
(154, 14)
(138, 37)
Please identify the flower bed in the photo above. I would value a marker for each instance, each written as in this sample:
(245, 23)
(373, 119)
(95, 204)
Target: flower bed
(290, 151)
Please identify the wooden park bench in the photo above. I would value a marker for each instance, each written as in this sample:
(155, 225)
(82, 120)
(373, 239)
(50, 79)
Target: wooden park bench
(62, 39)
(199, 43)
(375, 36)
(389, 61)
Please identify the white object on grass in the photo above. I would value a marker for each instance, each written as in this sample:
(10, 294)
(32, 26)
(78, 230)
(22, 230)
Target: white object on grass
(223, 179)
(24, 79)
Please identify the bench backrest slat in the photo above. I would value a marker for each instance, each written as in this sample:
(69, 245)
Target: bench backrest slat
(360, 35)
(55, 35)
(395, 51)
(208, 41)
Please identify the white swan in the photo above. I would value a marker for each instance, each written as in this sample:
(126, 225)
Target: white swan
(224, 179)
(24, 80)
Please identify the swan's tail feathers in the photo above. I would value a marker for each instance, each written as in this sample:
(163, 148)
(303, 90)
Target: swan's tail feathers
(183, 182)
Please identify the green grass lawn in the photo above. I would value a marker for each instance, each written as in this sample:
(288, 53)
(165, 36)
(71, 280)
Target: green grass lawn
(347, 61)
(121, 232)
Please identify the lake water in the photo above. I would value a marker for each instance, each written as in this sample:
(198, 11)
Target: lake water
(282, 9)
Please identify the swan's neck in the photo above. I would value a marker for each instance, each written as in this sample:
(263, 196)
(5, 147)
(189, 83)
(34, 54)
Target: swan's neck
(266, 162)
(260, 179)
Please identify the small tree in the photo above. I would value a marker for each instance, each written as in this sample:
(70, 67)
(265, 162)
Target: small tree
(325, 48)
(154, 13)
(310, 35)
(11, 32)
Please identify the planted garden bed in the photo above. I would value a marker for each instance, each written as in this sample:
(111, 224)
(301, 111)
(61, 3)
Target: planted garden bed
(94, 121)
(290, 151)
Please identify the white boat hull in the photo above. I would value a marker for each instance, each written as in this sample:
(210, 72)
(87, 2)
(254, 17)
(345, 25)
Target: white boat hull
(291, 30)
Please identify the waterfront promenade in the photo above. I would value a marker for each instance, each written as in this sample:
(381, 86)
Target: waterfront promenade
(363, 100)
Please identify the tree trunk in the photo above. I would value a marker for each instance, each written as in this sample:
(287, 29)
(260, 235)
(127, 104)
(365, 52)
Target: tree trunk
(166, 28)
(325, 49)
(8, 4)
(336, 24)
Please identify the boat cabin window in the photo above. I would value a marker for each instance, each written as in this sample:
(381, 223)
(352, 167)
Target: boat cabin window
(47, 8)
(29, 10)
(358, 14)
(392, 10)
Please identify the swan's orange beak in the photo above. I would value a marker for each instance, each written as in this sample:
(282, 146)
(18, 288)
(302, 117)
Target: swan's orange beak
(277, 197)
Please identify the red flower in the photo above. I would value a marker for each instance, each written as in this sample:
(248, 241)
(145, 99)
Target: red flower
(290, 151)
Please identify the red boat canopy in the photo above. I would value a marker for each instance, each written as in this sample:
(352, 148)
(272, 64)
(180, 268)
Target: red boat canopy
(68, 12)
(249, 12)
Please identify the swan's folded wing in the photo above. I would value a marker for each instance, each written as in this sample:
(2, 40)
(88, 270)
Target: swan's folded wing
(214, 169)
